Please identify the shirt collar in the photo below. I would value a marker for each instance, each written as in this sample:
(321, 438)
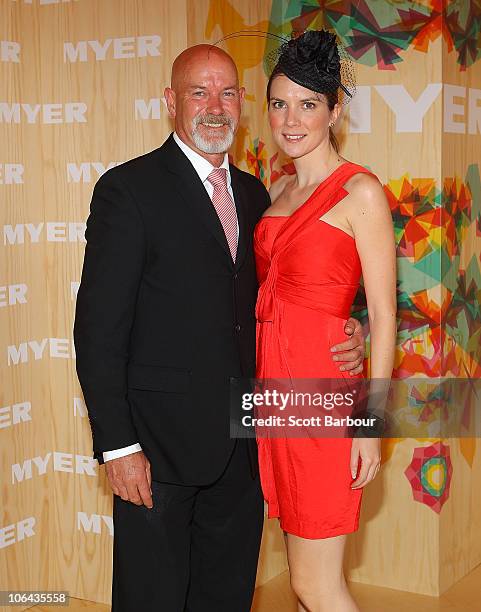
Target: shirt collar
(201, 165)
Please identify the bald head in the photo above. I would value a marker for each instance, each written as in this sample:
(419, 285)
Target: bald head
(200, 55)
(204, 100)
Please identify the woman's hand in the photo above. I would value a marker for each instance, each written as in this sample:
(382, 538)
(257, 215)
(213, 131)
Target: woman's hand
(368, 450)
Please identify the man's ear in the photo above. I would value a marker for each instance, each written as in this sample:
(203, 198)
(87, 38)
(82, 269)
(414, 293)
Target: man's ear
(242, 94)
(169, 95)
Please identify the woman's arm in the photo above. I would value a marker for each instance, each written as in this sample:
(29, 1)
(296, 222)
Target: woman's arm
(372, 226)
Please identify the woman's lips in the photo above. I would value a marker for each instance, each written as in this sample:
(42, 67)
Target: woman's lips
(293, 137)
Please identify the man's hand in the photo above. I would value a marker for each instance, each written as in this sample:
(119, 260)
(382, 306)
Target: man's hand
(352, 349)
(130, 478)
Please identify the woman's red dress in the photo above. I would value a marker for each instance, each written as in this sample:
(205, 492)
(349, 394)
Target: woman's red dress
(309, 273)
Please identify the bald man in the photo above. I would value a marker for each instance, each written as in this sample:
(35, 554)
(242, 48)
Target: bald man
(164, 320)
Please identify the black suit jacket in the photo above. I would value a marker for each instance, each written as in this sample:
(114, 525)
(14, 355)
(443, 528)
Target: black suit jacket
(163, 317)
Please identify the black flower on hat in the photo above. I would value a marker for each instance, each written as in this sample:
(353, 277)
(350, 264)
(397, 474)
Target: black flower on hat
(318, 48)
(313, 61)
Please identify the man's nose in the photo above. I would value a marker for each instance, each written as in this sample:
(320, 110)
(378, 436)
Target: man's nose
(214, 104)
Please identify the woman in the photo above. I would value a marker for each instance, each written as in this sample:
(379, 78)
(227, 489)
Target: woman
(327, 224)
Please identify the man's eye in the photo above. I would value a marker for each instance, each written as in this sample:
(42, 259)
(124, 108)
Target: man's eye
(198, 93)
(229, 93)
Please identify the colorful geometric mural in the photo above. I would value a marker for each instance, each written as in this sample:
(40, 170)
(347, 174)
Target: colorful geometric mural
(267, 168)
(439, 278)
(463, 22)
(461, 202)
(430, 473)
(377, 33)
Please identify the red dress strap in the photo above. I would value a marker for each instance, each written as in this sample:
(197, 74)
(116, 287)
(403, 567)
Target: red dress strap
(323, 198)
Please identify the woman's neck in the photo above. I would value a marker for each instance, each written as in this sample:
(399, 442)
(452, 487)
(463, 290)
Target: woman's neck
(316, 166)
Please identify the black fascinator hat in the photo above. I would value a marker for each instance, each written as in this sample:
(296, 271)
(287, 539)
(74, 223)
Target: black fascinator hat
(315, 60)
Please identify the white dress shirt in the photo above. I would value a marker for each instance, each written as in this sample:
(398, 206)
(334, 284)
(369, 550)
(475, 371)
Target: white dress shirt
(203, 169)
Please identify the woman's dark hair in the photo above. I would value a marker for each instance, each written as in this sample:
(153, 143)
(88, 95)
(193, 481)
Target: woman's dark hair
(331, 97)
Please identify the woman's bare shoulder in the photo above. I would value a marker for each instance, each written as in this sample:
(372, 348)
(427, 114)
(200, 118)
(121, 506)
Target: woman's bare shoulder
(364, 184)
(366, 197)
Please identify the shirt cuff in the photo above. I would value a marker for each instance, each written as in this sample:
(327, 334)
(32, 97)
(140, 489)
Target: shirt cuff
(121, 452)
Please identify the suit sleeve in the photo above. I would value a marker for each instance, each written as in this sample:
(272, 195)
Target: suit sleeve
(105, 311)
(263, 199)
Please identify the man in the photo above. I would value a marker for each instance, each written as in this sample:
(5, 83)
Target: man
(165, 317)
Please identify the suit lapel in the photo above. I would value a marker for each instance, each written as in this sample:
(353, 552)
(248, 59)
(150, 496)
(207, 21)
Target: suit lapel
(194, 194)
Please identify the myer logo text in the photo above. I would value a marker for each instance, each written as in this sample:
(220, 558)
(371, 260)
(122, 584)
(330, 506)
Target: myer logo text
(49, 231)
(112, 48)
(86, 172)
(33, 350)
(15, 414)
(54, 461)
(19, 112)
(95, 523)
(16, 532)
(13, 294)
(458, 102)
(148, 109)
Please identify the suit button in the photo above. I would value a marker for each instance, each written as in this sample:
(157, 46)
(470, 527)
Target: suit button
(238, 327)
(235, 276)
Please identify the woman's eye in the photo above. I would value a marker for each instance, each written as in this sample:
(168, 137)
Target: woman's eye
(309, 105)
(278, 104)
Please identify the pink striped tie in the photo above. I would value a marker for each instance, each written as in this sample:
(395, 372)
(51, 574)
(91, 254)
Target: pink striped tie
(224, 207)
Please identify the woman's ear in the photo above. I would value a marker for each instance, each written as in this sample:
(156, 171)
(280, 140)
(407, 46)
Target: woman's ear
(336, 111)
